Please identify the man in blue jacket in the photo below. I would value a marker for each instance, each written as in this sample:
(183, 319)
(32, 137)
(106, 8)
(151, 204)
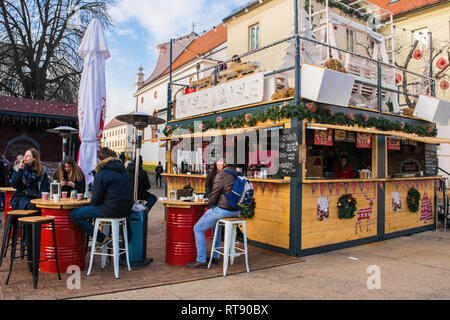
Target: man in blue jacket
(112, 195)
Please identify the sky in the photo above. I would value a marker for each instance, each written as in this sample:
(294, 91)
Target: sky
(139, 26)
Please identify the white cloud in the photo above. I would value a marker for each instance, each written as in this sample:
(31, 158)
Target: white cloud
(173, 18)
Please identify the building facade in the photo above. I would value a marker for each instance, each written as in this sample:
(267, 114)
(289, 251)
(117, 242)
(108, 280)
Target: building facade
(414, 20)
(190, 54)
(119, 137)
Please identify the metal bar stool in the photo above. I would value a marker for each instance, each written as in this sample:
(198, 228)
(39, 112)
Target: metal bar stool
(229, 248)
(117, 251)
(34, 242)
(11, 226)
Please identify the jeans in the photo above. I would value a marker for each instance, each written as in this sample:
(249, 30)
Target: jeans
(208, 221)
(159, 178)
(81, 218)
(151, 201)
(2, 200)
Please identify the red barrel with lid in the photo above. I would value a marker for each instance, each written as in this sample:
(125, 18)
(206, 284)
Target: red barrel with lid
(70, 242)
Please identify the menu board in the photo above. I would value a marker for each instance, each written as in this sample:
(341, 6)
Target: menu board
(289, 153)
(431, 160)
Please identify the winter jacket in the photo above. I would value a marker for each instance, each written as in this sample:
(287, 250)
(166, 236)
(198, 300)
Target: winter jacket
(159, 169)
(143, 183)
(223, 183)
(112, 192)
(346, 173)
(28, 184)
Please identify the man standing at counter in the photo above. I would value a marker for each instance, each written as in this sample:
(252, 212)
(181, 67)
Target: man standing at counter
(218, 208)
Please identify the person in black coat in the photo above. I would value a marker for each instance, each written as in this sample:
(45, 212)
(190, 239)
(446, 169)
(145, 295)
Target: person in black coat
(159, 170)
(112, 195)
(143, 184)
(30, 180)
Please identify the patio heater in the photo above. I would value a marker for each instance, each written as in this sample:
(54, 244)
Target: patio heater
(138, 218)
(65, 133)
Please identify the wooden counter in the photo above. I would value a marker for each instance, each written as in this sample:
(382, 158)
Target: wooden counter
(63, 204)
(182, 204)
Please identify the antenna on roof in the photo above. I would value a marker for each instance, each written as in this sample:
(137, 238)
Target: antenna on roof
(193, 26)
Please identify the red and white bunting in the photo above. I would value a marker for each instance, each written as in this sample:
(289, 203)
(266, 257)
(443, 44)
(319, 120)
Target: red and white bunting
(322, 188)
(396, 184)
(361, 186)
(374, 185)
(330, 188)
(345, 187)
(367, 186)
(354, 187)
(271, 187)
(338, 187)
(403, 184)
(255, 186)
(263, 187)
(313, 188)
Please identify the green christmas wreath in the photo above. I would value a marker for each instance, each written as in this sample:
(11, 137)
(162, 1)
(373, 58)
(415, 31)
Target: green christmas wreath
(346, 206)
(249, 211)
(413, 200)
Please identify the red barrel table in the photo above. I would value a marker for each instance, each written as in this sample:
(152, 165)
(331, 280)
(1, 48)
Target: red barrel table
(8, 195)
(180, 237)
(70, 239)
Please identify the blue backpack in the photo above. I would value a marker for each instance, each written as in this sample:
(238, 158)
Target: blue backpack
(242, 194)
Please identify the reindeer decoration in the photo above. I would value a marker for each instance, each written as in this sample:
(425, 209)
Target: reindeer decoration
(364, 214)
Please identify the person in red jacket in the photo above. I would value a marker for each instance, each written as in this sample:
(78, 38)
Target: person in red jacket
(346, 171)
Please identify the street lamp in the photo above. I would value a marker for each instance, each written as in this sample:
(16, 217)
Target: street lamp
(65, 133)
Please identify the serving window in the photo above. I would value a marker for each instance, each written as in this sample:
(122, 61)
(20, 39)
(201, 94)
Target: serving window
(340, 154)
(405, 158)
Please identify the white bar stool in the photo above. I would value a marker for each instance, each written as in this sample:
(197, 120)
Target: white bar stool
(230, 242)
(117, 251)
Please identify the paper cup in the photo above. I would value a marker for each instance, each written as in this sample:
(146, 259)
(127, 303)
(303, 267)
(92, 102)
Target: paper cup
(56, 197)
(45, 196)
(80, 196)
(64, 194)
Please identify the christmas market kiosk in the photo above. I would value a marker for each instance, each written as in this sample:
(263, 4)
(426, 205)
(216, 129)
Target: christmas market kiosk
(327, 173)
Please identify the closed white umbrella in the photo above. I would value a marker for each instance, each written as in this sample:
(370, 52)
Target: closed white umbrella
(92, 96)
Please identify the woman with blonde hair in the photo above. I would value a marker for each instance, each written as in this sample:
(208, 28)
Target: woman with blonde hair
(30, 180)
(70, 175)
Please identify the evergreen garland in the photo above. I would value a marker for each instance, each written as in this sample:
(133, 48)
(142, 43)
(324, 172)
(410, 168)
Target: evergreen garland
(249, 212)
(347, 10)
(413, 200)
(307, 111)
(346, 206)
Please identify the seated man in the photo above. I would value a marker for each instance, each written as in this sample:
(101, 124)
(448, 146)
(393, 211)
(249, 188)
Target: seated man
(112, 195)
(218, 208)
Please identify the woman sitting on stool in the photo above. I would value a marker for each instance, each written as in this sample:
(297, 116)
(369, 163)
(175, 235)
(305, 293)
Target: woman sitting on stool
(30, 180)
(71, 177)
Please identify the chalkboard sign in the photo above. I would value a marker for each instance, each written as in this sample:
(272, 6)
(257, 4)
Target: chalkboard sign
(288, 147)
(431, 160)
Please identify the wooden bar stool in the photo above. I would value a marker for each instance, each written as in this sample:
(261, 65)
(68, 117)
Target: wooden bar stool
(11, 230)
(229, 248)
(34, 242)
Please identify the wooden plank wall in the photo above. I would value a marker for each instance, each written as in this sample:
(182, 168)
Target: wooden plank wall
(405, 219)
(334, 230)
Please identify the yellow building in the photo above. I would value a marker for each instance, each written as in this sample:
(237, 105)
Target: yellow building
(119, 137)
(414, 20)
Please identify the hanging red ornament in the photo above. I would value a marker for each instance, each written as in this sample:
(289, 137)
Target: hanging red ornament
(398, 78)
(441, 63)
(335, 27)
(444, 85)
(418, 54)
